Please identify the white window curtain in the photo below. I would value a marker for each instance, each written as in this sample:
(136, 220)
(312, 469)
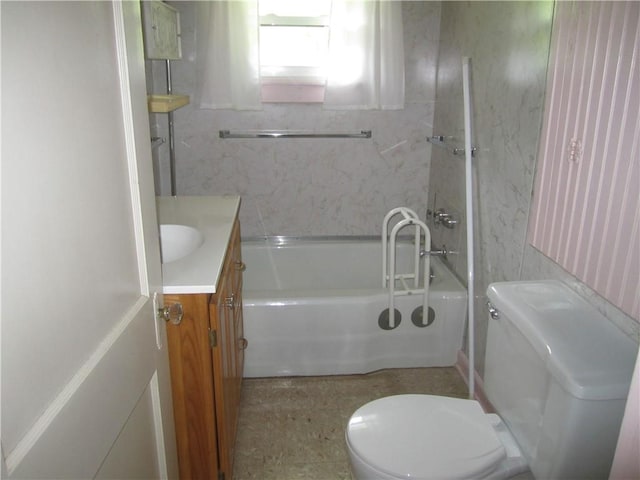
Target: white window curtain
(227, 55)
(366, 55)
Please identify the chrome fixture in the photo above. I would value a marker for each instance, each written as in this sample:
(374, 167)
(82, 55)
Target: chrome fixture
(291, 134)
(172, 136)
(443, 252)
(442, 141)
(493, 311)
(441, 217)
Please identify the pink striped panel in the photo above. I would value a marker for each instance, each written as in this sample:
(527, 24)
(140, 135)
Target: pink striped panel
(586, 205)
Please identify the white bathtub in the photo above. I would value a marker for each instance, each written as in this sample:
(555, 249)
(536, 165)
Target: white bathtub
(311, 307)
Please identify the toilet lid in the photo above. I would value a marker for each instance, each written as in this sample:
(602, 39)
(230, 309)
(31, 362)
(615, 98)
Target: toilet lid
(425, 437)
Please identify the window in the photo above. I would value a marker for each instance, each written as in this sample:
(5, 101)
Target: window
(294, 42)
(359, 66)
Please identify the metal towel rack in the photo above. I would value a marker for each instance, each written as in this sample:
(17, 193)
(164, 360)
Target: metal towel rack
(291, 134)
(441, 141)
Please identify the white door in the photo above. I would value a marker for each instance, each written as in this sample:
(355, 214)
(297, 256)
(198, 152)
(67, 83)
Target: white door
(85, 382)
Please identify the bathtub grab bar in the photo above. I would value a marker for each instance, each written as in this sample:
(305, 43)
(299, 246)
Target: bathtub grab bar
(389, 276)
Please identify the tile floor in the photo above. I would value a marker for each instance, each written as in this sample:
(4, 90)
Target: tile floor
(293, 427)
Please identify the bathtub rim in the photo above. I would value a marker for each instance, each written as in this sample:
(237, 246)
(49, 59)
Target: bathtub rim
(292, 240)
(286, 240)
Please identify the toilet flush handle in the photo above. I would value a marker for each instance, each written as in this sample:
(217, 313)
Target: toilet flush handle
(493, 311)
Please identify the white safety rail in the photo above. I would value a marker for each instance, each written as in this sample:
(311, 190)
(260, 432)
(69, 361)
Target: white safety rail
(389, 275)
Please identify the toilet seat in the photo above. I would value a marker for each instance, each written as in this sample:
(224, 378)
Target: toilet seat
(425, 437)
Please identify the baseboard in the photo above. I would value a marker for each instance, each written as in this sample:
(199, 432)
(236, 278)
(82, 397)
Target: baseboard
(462, 365)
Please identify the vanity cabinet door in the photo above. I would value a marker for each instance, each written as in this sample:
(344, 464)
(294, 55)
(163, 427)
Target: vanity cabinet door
(237, 342)
(228, 360)
(193, 388)
(222, 368)
(240, 342)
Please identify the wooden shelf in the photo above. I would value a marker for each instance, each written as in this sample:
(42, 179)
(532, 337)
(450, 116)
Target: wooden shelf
(166, 103)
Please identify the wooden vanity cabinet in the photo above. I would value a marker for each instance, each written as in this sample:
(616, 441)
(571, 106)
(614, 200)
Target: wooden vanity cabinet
(206, 353)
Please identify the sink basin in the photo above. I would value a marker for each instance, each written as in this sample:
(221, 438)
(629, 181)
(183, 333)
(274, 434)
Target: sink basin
(177, 241)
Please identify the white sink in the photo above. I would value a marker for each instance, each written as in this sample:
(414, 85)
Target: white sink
(178, 241)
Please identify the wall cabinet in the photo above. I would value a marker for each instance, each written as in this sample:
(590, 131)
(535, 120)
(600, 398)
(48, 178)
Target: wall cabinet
(206, 352)
(161, 27)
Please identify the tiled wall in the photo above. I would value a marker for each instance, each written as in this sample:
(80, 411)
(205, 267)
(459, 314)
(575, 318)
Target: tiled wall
(508, 43)
(310, 186)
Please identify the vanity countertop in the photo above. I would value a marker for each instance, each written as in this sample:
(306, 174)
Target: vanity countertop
(214, 217)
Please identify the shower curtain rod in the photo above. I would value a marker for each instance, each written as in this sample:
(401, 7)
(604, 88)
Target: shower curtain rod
(291, 134)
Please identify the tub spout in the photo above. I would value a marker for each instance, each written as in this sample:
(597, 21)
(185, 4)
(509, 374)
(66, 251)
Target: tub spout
(443, 252)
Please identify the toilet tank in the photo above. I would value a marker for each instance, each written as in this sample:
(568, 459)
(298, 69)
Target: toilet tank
(558, 373)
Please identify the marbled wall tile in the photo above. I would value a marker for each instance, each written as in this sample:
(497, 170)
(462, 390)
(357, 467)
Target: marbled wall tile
(422, 27)
(537, 266)
(508, 45)
(312, 186)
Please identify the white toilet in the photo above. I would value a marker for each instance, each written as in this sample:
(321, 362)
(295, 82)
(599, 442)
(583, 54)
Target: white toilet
(556, 371)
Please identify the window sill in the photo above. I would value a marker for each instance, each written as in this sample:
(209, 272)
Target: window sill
(278, 93)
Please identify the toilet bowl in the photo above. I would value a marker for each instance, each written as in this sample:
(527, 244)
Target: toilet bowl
(430, 437)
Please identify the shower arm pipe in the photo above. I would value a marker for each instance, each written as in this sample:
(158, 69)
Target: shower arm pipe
(171, 136)
(468, 134)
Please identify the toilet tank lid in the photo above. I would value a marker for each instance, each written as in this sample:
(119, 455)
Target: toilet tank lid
(589, 356)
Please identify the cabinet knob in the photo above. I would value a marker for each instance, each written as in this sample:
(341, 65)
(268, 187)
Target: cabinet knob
(172, 313)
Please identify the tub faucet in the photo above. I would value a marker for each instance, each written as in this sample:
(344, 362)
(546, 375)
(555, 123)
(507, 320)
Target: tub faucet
(441, 217)
(443, 252)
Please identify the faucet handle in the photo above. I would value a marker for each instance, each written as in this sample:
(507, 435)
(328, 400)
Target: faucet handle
(441, 217)
(448, 221)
